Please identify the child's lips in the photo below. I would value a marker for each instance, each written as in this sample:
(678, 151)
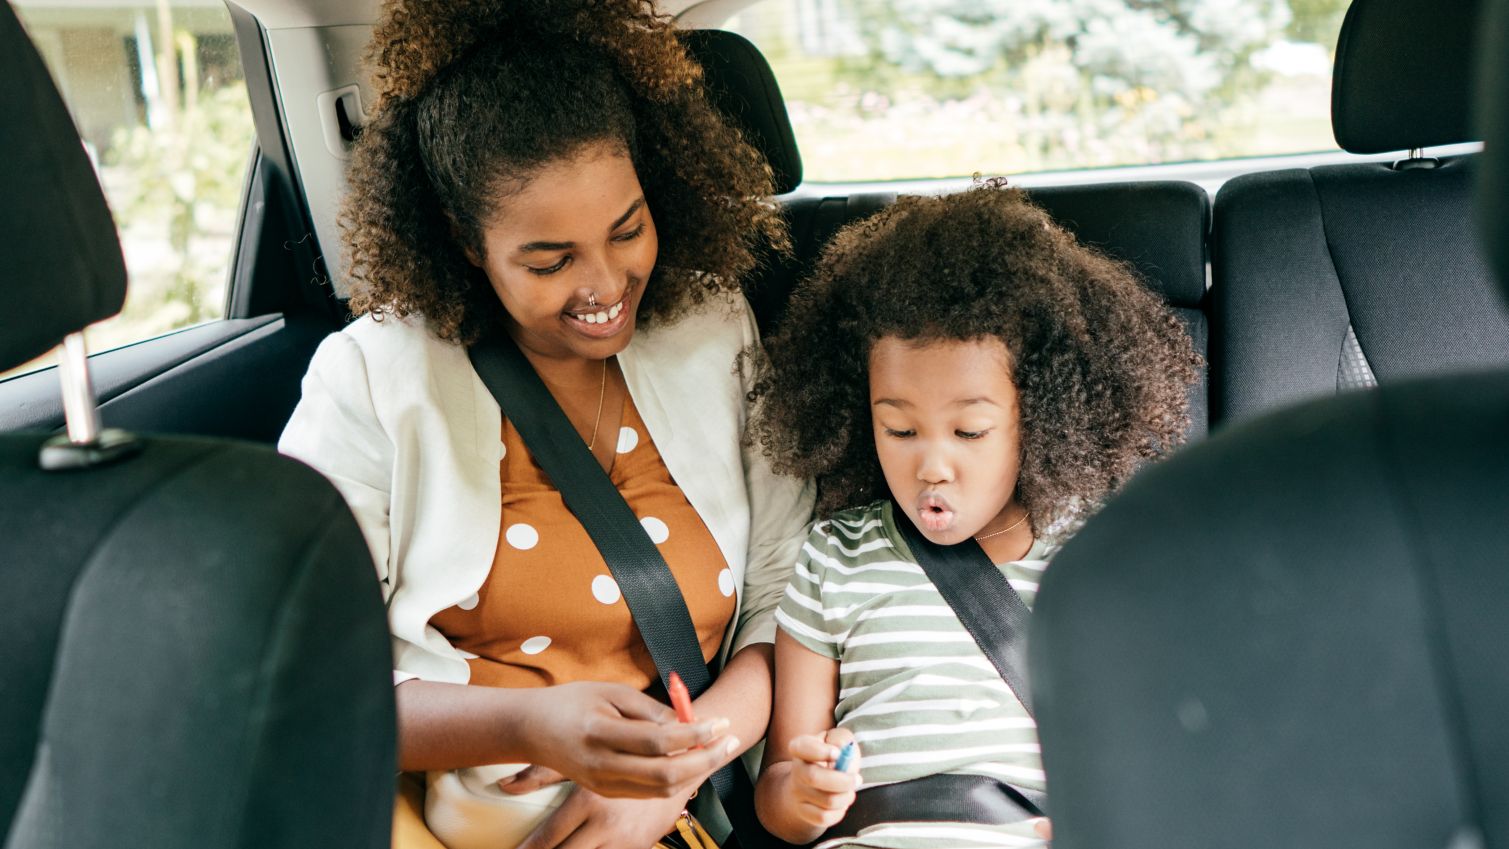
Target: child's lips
(934, 513)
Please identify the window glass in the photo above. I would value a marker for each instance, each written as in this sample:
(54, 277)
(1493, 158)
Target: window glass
(157, 93)
(899, 89)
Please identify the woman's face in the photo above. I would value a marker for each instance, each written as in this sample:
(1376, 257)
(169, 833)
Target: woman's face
(570, 253)
(946, 432)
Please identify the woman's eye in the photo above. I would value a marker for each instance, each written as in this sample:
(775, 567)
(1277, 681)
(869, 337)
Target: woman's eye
(631, 235)
(971, 434)
(900, 434)
(551, 269)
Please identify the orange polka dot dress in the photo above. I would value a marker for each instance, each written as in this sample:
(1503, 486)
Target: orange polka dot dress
(550, 611)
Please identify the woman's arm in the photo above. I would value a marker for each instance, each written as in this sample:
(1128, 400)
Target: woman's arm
(606, 737)
(798, 796)
(780, 514)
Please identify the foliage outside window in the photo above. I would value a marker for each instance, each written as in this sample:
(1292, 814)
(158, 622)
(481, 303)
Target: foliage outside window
(157, 92)
(897, 89)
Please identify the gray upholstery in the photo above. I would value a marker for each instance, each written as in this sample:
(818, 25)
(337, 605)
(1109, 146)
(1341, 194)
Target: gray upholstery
(1327, 273)
(1303, 258)
(1319, 660)
(1402, 75)
(1493, 120)
(744, 88)
(193, 648)
(194, 655)
(55, 230)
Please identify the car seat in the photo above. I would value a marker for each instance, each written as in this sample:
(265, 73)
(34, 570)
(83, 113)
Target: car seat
(1293, 635)
(193, 650)
(1346, 276)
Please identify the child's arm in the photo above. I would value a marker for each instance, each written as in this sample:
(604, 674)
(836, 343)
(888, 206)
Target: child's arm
(800, 795)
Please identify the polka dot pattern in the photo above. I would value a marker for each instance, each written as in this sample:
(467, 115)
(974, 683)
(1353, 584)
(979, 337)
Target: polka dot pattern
(522, 536)
(606, 590)
(657, 529)
(628, 439)
(550, 610)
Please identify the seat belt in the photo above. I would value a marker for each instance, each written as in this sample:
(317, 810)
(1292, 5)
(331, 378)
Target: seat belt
(990, 610)
(655, 602)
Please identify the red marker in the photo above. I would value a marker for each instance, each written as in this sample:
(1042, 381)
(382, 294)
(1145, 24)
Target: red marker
(681, 700)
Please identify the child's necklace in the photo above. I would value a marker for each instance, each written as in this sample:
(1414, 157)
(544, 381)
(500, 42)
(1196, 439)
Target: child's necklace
(1013, 526)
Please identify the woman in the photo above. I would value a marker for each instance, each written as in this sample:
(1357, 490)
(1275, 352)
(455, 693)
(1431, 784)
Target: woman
(553, 170)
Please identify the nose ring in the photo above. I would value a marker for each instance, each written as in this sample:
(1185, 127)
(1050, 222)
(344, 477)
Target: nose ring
(591, 299)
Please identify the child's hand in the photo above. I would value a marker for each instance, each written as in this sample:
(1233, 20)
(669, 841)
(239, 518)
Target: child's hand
(822, 794)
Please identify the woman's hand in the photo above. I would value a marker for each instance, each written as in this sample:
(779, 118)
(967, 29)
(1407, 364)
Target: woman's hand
(589, 821)
(820, 795)
(615, 741)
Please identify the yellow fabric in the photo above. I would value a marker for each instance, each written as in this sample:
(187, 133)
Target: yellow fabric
(409, 830)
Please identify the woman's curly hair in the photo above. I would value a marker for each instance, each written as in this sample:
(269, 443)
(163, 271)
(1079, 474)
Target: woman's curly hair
(474, 96)
(1101, 367)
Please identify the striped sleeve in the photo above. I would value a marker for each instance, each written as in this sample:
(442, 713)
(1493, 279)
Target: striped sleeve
(801, 613)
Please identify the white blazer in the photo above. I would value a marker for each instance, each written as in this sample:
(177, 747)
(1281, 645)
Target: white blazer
(399, 421)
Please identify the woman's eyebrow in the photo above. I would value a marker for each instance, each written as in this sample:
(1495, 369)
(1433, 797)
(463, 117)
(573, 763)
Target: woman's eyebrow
(530, 247)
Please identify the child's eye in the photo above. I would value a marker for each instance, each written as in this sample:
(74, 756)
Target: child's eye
(900, 434)
(971, 434)
(631, 235)
(551, 269)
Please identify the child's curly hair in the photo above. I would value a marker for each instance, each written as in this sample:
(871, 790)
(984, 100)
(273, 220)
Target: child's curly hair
(475, 95)
(1101, 367)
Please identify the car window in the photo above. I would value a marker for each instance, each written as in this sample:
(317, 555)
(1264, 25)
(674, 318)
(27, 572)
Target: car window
(887, 90)
(157, 92)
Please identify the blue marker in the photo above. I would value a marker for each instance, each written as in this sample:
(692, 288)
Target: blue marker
(845, 757)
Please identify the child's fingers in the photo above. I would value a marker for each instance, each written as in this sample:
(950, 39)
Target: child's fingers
(838, 737)
(820, 817)
(823, 779)
(810, 748)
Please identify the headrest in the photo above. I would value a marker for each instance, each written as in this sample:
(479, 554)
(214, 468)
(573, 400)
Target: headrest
(1493, 122)
(742, 86)
(1403, 69)
(1157, 226)
(60, 260)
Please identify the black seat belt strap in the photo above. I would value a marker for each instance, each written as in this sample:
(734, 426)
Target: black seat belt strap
(990, 610)
(649, 589)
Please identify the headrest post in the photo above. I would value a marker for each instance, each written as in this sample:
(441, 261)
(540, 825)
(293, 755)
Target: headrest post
(78, 391)
(85, 444)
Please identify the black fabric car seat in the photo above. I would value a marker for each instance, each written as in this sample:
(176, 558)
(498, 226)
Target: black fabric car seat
(1345, 276)
(193, 650)
(1158, 227)
(1294, 634)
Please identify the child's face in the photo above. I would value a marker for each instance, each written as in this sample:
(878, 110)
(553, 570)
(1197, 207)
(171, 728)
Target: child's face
(945, 418)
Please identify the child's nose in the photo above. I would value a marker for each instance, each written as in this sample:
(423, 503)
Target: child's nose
(935, 467)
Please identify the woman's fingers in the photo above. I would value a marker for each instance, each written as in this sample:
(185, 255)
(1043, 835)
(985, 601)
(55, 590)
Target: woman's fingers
(530, 779)
(558, 827)
(641, 737)
(662, 776)
(1044, 828)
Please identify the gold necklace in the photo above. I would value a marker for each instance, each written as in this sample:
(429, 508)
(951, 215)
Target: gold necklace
(1013, 526)
(602, 392)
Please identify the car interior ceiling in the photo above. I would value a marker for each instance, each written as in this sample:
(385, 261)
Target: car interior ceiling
(1295, 285)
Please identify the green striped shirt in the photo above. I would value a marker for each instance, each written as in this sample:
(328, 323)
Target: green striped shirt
(914, 688)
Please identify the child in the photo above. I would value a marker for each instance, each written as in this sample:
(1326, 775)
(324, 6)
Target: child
(963, 364)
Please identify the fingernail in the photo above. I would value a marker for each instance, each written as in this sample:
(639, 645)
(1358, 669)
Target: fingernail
(732, 745)
(507, 780)
(719, 726)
